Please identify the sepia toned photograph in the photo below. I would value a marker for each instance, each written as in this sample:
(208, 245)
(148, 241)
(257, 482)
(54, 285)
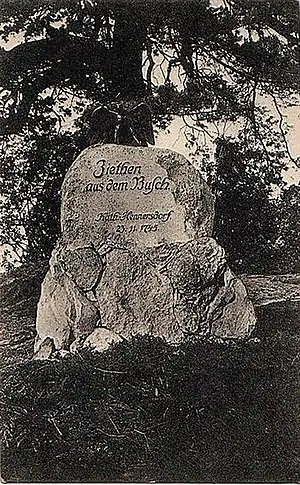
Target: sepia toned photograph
(150, 241)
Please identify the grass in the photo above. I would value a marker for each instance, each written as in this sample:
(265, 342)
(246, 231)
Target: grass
(144, 411)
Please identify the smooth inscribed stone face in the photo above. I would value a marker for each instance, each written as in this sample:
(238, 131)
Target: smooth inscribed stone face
(130, 195)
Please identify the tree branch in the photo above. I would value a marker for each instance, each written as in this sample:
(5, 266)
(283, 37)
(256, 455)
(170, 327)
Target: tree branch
(44, 63)
(150, 67)
(280, 124)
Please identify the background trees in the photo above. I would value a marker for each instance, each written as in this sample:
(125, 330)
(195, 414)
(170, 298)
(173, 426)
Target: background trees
(236, 63)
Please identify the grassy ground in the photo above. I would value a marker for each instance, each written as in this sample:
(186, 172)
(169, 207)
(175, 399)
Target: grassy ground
(144, 411)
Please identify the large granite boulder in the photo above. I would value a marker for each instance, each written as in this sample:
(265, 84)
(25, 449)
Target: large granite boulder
(136, 255)
(174, 291)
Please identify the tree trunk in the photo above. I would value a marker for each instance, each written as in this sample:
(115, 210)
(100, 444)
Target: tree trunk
(128, 43)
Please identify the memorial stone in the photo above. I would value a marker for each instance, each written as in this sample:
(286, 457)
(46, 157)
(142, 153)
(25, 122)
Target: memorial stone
(139, 197)
(136, 255)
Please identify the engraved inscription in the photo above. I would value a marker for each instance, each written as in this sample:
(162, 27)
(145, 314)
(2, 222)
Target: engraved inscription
(134, 216)
(127, 217)
(137, 181)
(127, 197)
(132, 199)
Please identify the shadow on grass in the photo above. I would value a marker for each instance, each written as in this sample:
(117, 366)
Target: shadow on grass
(144, 411)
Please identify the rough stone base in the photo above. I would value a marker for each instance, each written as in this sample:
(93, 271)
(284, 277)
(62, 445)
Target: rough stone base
(173, 291)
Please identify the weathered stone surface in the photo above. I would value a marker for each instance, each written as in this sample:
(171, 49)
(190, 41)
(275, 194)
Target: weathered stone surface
(101, 339)
(117, 195)
(64, 313)
(84, 266)
(46, 349)
(174, 291)
(238, 316)
(135, 298)
(136, 256)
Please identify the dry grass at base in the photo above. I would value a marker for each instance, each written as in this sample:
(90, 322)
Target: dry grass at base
(145, 411)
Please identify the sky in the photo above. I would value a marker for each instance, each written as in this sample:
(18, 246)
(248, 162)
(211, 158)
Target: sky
(174, 139)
